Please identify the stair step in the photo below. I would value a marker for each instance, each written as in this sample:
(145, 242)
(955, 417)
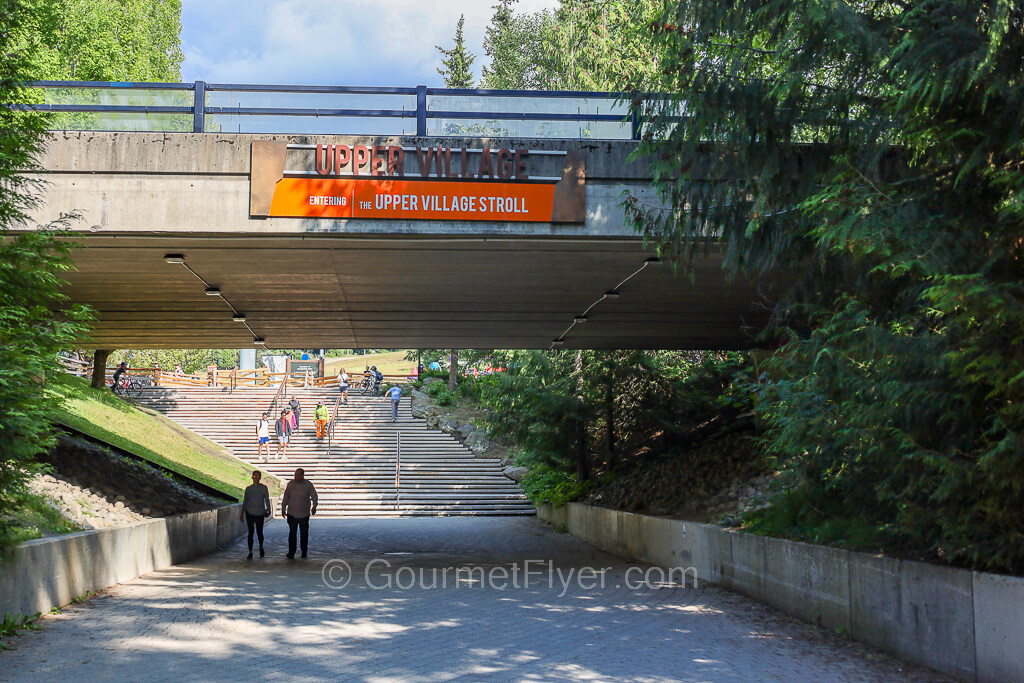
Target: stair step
(439, 476)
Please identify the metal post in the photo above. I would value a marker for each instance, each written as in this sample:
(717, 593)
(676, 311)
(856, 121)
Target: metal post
(199, 108)
(398, 471)
(421, 110)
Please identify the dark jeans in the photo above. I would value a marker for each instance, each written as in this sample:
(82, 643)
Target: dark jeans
(255, 523)
(302, 524)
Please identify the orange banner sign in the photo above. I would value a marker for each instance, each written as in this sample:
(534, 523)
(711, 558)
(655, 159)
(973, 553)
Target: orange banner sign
(510, 195)
(412, 199)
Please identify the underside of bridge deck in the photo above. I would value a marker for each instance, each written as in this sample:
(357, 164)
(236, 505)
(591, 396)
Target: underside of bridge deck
(338, 291)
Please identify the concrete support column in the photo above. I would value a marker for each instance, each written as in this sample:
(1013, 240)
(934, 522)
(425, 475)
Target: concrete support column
(247, 359)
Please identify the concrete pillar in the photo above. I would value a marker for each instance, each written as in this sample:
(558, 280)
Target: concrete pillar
(247, 359)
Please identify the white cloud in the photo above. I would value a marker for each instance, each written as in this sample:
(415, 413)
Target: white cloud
(335, 42)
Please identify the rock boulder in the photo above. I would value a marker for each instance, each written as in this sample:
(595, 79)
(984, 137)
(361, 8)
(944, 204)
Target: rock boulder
(515, 473)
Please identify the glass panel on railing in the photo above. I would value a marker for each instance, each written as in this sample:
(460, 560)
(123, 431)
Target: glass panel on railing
(117, 96)
(515, 105)
(121, 121)
(594, 130)
(302, 100)
(310, 125)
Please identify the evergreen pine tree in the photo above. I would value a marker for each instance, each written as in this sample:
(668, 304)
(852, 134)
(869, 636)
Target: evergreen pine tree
(872, 153)
(457, 63)
(500, 72)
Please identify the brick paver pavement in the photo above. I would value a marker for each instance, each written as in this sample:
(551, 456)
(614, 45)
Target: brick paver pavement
(224, 618)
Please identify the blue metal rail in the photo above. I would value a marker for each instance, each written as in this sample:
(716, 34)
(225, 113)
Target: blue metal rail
(443, 106)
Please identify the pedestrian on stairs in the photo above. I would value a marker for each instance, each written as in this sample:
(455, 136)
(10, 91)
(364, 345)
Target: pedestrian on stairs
(263, 436)
(322, 415)
(343, 384)
(395, 394)
(296, 411)
(283, 427)
(297, 504)
(256, 508)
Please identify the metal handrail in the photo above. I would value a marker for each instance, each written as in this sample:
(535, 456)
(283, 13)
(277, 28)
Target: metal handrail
(421, 112)
(280, 388)
(398, 471)
(333, 89)
(233, 379)
(124, 85)
(330, 429)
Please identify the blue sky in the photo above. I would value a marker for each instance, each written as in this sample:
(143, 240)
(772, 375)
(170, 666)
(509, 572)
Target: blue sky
(329, 42)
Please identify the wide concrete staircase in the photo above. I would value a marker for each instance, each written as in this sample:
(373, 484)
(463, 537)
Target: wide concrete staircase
(436, 475)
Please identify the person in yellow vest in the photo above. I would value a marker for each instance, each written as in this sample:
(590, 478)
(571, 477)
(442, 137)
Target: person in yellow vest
(321, 415)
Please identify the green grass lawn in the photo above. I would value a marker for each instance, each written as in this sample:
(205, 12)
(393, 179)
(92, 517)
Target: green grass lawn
(391, 363)
(151, 436)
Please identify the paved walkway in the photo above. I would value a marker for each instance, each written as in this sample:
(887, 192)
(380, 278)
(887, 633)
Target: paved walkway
(224, 618)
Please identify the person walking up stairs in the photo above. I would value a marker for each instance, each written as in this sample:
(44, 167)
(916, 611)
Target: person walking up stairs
(322, 415)
(395, 394)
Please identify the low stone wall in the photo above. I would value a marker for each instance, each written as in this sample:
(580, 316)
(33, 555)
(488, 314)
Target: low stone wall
(49, 572)
(966, 624)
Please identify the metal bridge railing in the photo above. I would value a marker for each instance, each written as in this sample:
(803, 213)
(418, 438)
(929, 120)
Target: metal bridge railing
(311, 109)
(332, 425)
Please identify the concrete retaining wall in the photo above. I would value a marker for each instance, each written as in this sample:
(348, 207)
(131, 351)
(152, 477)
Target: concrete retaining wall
(963, 623)
(49, 572)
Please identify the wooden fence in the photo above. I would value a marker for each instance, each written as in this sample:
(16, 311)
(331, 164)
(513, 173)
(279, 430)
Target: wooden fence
(216, 377)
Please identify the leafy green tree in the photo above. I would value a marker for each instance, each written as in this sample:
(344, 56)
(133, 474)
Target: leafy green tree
(871, 152)
(109, 40)
(535, 403)
(191, 360)
(600, 45)
(587, 411)
(582, 45)
(514, 44)
(457, 62)
(34, 325)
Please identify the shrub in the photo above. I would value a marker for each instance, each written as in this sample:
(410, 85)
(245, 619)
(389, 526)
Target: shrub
(544, 484)
(444, 397)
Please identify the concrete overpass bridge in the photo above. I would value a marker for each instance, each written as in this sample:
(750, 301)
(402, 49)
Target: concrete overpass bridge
(368, 217)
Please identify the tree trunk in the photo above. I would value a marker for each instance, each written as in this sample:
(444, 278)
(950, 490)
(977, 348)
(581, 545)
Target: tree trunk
(609, 418)
(99, 369)
(453, 370)
(582, 462)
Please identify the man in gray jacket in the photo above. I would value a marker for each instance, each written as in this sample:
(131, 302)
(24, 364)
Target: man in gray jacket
(255, 508)
(297, 504)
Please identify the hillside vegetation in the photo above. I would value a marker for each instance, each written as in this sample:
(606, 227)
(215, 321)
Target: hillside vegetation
(149, 435)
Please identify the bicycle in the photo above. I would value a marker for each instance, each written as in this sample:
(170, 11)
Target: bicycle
(370, 385)
(128, 386)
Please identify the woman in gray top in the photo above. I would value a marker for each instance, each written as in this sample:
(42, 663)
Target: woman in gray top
(255, 508)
